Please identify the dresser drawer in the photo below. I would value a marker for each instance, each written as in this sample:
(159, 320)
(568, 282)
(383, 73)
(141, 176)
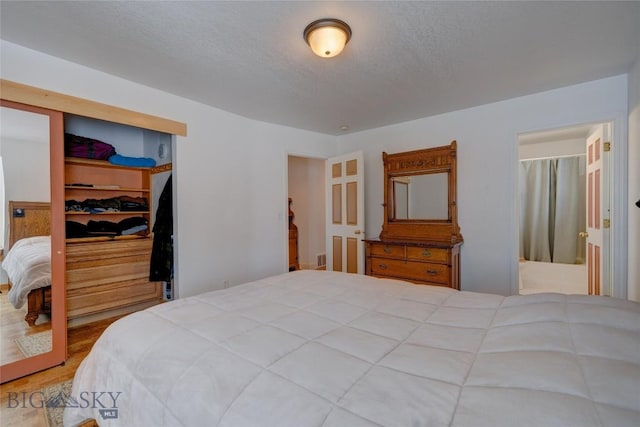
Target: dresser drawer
(386, 251)
(420, 271)
(104, 276)
(427, 254)
(86, 253)
(120, 270)
(110, 296)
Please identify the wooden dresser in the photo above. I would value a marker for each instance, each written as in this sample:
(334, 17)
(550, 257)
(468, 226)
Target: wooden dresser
(418, 262)
(420, 239)
(294, 263)
(103, 276)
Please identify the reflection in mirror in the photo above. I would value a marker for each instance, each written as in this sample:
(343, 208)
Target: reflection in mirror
(24, 233)
(424, 197)
(400, 198)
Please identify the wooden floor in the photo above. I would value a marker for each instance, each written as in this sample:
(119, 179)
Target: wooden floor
(79, 341)
(13, 325)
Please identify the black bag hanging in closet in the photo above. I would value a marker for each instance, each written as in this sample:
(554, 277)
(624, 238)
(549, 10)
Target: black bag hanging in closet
(161, 266)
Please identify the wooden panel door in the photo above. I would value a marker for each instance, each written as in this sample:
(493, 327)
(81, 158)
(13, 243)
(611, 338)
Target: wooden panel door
(345, 213)
(597, 212)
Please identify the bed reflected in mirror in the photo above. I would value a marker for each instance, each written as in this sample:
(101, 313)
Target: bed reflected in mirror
(25, 241)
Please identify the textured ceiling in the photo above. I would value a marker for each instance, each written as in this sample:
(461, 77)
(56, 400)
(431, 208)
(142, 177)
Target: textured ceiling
(406, 60)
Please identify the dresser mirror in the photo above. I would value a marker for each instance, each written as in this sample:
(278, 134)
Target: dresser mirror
(33, 332)
(420, 195)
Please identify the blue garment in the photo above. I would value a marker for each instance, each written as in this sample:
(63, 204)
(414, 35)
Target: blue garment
(143, 162)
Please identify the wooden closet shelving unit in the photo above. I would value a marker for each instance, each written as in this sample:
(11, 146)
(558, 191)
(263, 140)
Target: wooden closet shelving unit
(107, 272)
(97, 179)
(89, 270)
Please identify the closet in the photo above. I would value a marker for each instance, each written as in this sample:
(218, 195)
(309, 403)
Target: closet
(109, 217)
(96, 276)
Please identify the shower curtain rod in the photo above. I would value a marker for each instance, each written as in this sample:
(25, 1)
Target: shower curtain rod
(554, 157)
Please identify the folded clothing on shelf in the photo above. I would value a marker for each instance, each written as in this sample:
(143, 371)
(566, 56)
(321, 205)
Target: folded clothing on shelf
(102, 228)
(134, 225)
(113, 204)
(87, 148)
(74, 229)
(128, 226)
(128, 203)
(143, 162)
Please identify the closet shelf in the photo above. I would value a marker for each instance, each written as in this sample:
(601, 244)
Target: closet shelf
(104, 238)
(99, 163)
(108, 213)
(105, 188)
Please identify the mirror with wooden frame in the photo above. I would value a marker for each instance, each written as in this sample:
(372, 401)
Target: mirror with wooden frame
(32, 310)
(420, 195)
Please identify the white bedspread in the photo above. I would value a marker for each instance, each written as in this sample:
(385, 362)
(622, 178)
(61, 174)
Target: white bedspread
(28, 266)
(313, 348)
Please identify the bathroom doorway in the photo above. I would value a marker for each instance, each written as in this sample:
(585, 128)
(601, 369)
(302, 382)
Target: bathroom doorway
(553, 187)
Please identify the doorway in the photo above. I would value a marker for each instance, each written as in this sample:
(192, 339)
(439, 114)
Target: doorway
(552, 209)
(306, 186)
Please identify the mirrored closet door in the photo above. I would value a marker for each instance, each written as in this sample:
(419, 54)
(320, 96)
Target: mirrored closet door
(33, 319)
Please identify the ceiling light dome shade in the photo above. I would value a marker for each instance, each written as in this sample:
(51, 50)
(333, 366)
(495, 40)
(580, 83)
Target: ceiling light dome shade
(327, 37)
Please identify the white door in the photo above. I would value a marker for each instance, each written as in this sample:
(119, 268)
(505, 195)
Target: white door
(345, 213)
(598, 212)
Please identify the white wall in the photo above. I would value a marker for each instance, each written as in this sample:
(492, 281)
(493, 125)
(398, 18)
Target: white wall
(230, 172)
(24, 172)
(634, 180)
(26, 159)
(487, 167)
(24, 150)
(306, 188)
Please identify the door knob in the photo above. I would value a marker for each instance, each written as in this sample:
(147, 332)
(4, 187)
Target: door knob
(583, 234)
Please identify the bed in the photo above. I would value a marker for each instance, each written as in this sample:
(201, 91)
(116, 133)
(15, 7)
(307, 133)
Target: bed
(28, 261)
(321, 348)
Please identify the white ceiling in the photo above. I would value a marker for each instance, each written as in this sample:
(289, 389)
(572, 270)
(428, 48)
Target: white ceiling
(406, 60)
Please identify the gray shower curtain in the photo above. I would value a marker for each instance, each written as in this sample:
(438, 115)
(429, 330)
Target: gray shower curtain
(552, 210)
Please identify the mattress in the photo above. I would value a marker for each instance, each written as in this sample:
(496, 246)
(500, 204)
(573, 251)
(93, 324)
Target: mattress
(28, 267)
(317, 348)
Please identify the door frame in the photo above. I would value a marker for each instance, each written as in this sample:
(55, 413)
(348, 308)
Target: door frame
(618, 173)
(285, 203)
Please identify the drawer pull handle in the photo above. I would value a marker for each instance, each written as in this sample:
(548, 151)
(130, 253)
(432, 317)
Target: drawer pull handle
(426, 253)
(382, 266)
(387, 249)
(432, 272)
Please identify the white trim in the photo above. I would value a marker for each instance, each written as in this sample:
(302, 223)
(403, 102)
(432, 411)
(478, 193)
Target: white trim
(565, 156)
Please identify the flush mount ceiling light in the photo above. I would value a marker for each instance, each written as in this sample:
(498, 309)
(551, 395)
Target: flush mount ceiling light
(327, 37)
